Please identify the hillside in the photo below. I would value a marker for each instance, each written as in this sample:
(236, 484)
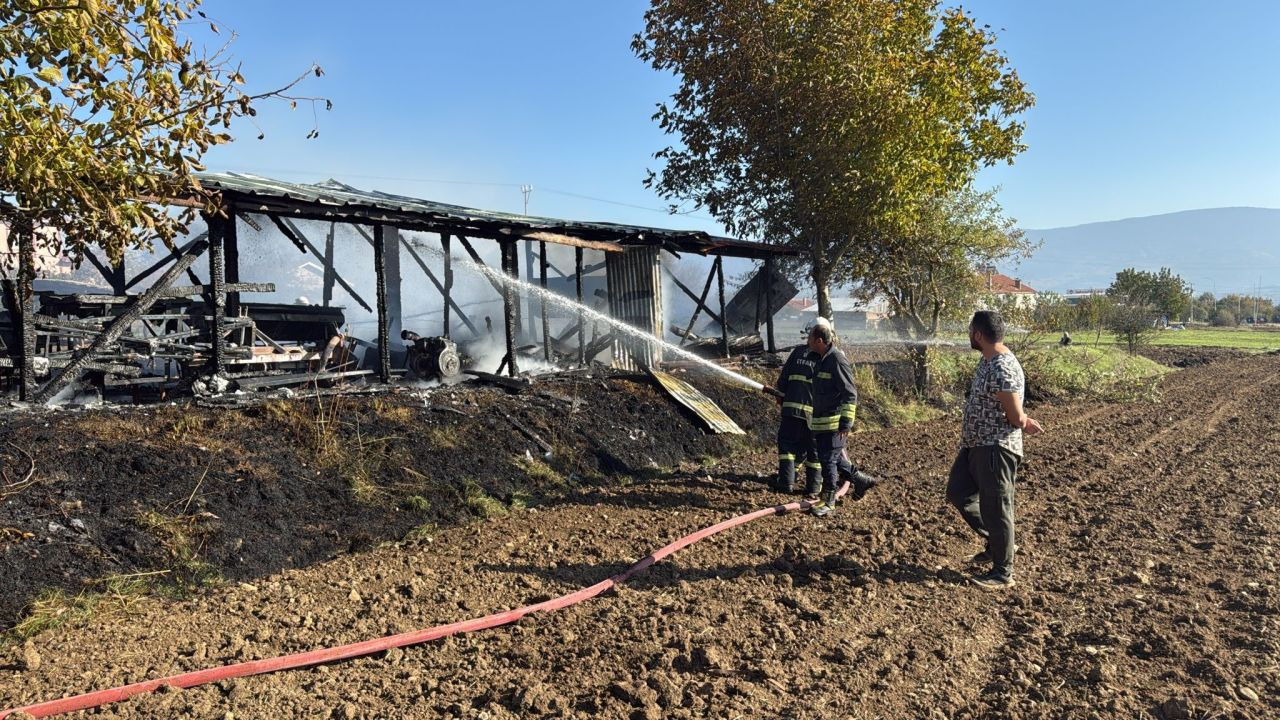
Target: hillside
(1217, 250)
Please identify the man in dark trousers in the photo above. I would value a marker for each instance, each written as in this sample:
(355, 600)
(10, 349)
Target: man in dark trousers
(835, 400)
(795, 442)
(980, 484)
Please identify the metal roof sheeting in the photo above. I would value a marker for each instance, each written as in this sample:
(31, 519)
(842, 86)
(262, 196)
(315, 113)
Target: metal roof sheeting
(340, 202)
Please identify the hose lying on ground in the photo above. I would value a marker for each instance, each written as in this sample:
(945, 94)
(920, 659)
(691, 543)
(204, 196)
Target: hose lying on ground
(367, 647)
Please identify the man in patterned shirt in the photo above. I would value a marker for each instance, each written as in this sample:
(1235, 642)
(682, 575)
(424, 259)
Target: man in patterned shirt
(981, 481)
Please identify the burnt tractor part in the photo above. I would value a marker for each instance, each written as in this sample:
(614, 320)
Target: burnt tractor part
(432, 358)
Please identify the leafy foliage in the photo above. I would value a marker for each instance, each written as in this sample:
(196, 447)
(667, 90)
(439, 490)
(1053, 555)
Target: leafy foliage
(103, 105)
(1164, 292)
(822, 123)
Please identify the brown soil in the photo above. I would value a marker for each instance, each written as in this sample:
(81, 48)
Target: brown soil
(1147, 588)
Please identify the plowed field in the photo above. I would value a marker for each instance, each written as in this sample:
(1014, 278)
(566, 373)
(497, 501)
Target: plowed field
(1147, 588)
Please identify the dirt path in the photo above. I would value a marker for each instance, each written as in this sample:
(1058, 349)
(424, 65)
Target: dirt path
(1147, 589)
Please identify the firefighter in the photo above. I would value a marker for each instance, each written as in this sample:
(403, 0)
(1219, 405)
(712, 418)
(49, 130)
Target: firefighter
(795, 442)
(834, 402)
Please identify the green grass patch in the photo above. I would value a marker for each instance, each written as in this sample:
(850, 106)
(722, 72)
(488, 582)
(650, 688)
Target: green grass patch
(879, 407)
(1103, 373)
(1237, 338)
(480, 503)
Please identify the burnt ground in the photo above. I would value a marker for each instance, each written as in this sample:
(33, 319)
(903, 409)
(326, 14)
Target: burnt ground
(1147, 588)
(208, 494)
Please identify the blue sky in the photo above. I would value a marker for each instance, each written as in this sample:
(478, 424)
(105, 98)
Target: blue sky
(1143, 107)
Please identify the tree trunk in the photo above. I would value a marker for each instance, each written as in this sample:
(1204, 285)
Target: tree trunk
(821, 285)
(918, 354)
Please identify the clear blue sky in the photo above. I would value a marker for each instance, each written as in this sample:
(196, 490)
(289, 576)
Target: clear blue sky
(1143, 107)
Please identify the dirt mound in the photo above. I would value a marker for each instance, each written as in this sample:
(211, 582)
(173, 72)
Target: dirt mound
(1187, 357)
(1147, 588)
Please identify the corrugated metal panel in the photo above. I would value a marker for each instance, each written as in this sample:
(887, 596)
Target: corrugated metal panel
(345, 198)
(635, 298)
(701, 405)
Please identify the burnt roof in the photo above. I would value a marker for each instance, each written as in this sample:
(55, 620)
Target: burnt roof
(338, 202)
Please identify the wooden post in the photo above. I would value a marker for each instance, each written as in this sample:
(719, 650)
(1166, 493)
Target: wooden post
(217, 297)
(542, 301)
(514, 271)
(528, 263)
(328, 266)
(510, 304)
(391, 265)
(24, 315)
(724, 325)
(380, 271)
(448, 280)
(577, 266)
(768, 304)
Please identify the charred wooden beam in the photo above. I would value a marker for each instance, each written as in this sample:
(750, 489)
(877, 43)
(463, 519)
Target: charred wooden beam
(562, 239)
(312, 248)
(126, 319)
(768, 305)
(700, 301)
(384, 339)
(582, 320)
(509, 319)
(228, 287)
(542, 304)
(328, 281)
(475, 257)
(217, 297)
(175, 254)
(724, 326)
(446, 289)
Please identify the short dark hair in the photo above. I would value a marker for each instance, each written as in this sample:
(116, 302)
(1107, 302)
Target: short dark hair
(823, 333)
(990, 324)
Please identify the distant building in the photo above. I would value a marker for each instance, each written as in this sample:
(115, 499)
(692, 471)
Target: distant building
(1006, 289)
(1073, 297)
(848, 314)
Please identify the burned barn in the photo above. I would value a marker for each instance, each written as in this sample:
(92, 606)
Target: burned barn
(402, 288)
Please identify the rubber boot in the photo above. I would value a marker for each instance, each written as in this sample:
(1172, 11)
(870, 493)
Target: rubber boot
(786, 480)
(812, 480)
(862, 482)
(826, 505)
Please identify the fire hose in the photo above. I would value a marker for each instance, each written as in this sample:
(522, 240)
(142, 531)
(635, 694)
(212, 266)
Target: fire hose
(414, 637)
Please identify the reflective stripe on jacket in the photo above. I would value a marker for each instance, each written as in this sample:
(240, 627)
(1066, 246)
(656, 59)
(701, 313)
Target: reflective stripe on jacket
(795, 382)
(835, 397)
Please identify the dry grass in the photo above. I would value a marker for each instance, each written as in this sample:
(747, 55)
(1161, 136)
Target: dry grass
(336, 440)
(55, 607)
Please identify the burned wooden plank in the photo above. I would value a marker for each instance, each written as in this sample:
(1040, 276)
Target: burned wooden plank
(511, 383)
(190, 290)
(537, 439)
(297, 379)
(176, 253)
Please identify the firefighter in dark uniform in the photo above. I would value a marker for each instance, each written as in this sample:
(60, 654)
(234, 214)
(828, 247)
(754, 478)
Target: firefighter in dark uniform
(795, 442)
(835, 401)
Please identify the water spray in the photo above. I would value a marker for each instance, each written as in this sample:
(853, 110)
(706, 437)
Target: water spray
(555, 299)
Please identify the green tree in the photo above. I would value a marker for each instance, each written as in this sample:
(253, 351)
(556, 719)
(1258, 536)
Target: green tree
(1204, 307)
(928, 273)
(1164, 292)
(820, 123)
(1133, 326)
(104, 106)
(1094, 313)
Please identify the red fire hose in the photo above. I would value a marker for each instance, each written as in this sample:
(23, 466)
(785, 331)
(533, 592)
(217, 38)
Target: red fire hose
(367, 647)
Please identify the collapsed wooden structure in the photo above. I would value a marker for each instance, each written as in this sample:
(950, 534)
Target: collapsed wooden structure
(207, 329)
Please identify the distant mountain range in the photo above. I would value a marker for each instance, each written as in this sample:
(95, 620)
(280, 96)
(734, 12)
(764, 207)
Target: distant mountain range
(1219, 250)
